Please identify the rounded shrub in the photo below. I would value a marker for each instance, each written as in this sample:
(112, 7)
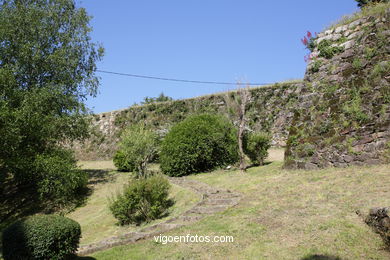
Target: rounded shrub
(142, 200)
(199, 143)
(122, 163)
(41, 237)
(256, 147)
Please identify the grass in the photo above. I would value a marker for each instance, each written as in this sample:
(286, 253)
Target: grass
(95, 217)
(283, 215)
(378, 9)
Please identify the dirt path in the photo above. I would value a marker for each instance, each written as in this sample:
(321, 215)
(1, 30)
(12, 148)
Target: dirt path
(213, 200)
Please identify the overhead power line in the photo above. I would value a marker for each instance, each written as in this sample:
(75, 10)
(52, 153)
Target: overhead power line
(182, 80)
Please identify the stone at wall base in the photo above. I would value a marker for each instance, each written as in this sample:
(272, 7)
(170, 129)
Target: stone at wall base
(379, 220)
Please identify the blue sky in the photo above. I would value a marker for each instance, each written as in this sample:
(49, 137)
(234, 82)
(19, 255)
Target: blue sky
(208, 40)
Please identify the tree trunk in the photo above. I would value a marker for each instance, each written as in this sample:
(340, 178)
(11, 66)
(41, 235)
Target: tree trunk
(245, 96)
(241, 130)
(238, 106)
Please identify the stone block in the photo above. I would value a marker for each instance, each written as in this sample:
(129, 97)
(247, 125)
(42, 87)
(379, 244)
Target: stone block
(328, 32)
(347, 54)
(348, 158)
(355, 35)
(354, 24)
(348, 45)
(311, 166)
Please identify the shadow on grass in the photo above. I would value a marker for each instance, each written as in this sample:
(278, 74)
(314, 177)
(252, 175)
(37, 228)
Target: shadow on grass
(321, 257)
(85, 258)
(98, 176)
(258, 165)
(17, 202)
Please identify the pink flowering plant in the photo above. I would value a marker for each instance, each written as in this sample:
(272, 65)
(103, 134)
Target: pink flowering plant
(309, 41)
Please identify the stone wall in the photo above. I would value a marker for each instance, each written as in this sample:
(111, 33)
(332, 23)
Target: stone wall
(346, 119)
(270, 110)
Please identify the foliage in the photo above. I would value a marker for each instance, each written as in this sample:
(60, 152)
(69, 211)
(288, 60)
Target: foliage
(137, 147)
(326, 49)
(357, 63)
(309, 41)
(256, 146)
(199, 143)
(160, 98)
(47, 64)
(362, 3)
(60, 181)
(121, 163)
(41, 237)
(353, 109)
(142, 200)
(315, 66)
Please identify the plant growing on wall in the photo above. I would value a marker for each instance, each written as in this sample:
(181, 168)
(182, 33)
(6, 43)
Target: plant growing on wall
(362, 3)
(309, 41)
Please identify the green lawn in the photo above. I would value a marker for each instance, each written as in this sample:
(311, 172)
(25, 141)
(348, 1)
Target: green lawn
(95, 218)
(283, 215)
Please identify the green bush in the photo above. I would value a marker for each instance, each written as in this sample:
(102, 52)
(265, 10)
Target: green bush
(199, 143)
(41, 237)
(60, 182)
(142, 200)
(121, 163)
(137, 147)
(256, 147)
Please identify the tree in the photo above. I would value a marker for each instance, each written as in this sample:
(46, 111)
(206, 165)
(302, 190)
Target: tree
(47, 65)
(237, 107)
(137, 147)
(362, 3)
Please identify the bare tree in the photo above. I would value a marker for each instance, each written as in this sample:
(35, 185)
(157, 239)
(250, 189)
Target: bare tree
(237, 107)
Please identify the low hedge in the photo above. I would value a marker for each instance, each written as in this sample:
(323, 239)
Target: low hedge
(41, 237)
